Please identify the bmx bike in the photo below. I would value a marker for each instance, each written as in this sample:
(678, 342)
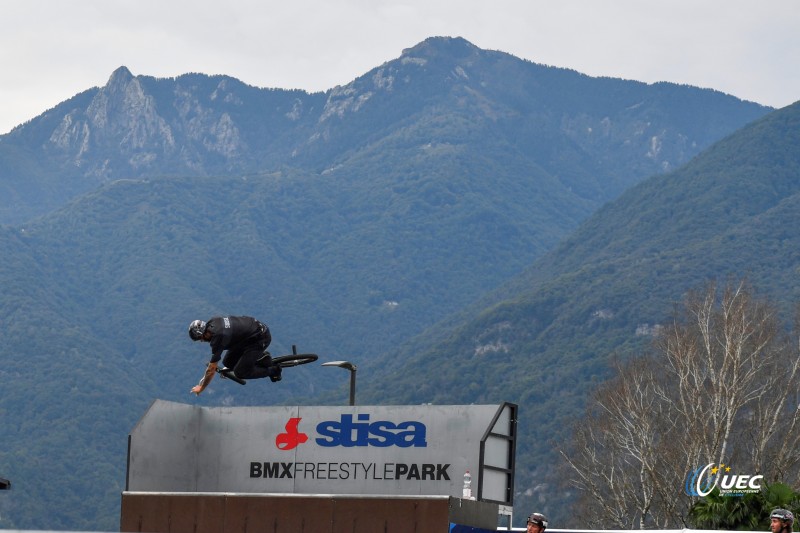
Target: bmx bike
(283, 361)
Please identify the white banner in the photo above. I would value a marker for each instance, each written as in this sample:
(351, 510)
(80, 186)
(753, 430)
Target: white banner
(400, 450)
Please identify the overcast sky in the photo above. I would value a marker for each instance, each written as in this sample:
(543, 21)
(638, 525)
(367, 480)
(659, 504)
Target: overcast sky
(51, 50)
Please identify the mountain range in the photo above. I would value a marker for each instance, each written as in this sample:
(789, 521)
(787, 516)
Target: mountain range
(549, 334)
(436, 212)
(590, 137)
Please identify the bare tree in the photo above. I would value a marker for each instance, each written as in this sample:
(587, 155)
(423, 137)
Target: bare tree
(775, 416)
(721, 386)
(617, 451)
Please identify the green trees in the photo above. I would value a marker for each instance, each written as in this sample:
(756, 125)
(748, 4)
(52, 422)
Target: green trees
(747, 513)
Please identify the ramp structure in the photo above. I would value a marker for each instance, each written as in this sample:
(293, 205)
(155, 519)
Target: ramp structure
(344, 465)
(296, 513)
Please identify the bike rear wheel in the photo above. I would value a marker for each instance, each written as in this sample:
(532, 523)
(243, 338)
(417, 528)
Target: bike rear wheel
(286, 361)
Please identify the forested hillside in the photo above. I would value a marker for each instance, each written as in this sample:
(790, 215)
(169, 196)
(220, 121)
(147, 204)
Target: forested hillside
(546, 338)
(350, 221)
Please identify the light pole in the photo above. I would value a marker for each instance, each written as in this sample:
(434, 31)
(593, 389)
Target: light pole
(347, 365)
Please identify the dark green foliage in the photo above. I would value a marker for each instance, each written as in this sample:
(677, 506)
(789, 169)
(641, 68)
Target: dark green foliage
(544, 338)
(350, 221)
(750, 512)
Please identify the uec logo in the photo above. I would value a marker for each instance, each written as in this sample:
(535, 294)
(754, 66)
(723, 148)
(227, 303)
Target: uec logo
(702, 480)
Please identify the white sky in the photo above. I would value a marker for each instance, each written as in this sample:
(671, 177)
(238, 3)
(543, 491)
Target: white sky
(51, 50)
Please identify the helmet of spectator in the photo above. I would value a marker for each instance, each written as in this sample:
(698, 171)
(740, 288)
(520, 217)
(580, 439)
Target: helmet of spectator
(538, 519)
(783, 515)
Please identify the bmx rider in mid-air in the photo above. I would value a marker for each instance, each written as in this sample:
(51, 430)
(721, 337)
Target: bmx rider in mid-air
(245, 339)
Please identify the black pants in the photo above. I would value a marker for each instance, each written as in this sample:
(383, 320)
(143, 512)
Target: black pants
(242, 358)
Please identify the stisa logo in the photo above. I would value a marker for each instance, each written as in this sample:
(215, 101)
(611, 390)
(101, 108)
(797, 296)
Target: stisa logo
(360, 432)
(292, 438)
(347, 432)
(701, 481)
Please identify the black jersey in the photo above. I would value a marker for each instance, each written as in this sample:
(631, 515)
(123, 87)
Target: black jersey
(229, 332)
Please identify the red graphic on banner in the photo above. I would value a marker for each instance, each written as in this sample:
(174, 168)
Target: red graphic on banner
(292, 438)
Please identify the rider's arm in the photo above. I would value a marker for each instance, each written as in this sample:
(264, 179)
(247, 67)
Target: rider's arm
(211, 369)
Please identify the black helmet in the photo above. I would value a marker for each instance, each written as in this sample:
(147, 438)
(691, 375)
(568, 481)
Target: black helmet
(782, 514)
(196, 329)
(538, 519)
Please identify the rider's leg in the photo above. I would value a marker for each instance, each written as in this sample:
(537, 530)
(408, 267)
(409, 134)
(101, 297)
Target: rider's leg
(265, 359)
(266, 337)
(231, 358)
(249, 367)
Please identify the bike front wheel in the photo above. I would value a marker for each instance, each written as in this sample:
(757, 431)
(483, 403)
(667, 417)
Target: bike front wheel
(286, 361)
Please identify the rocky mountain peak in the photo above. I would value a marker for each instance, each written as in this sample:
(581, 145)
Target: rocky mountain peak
(123, 118)
(386, 78)
(121, 77)
(441, 46)
(138, 125)
(120, 102)
(137, 128)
